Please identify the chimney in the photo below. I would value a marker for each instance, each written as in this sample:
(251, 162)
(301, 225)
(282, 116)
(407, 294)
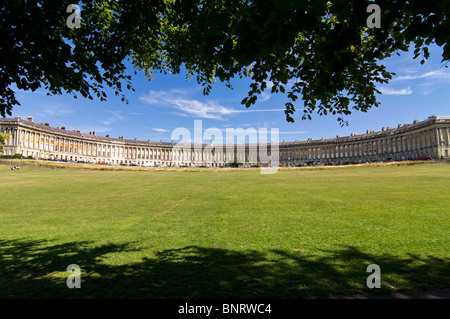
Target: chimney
(399, 125)
(107, 135)
(416, 121)
(30, 118)
(383, 129)
(93, 133)
(63, 127)
(46, 124)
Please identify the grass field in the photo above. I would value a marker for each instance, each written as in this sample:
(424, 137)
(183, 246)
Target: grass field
(221, 234)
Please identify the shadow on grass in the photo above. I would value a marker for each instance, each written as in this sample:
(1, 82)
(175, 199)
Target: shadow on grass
(37, 269)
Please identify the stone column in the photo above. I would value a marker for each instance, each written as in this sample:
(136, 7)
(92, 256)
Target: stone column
(437, 132)
(447, 135)
(13, 137)
(437, 135)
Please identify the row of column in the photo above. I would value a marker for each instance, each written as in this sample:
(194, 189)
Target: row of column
(424, 139)
(437, 137)
(20, 138)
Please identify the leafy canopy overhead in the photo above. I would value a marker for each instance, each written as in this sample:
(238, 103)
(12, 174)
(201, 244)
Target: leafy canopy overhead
(319, 52)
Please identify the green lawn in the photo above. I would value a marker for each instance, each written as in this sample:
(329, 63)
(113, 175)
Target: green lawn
(175, 234)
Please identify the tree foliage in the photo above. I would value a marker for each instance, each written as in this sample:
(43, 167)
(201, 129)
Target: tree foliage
(320, 54)
(3, 138)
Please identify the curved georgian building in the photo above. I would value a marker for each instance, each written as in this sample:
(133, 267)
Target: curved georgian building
(428, 138)
(404, 142)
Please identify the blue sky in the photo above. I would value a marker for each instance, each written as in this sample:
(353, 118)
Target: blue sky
(167, 102)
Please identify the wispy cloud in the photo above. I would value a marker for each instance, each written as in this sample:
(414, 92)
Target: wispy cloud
(179, 100)
(49, 110)
(56, 110)
(435, 74)
(160, 130)
(423, 83)
(265, 96)
(113, 117)
(390, 91)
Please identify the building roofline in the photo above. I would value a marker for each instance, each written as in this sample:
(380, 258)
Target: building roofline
(120, 140)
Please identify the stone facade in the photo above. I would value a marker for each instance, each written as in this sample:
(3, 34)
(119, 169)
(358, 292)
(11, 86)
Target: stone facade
(421, 139)
(428, 138)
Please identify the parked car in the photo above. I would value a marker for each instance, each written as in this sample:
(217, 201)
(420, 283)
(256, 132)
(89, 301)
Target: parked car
(424, 158)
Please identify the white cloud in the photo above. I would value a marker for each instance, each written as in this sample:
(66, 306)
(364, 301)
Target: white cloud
(436, 74)
(424, 83)
(265, 96)
(115, 116)
(179, 100)
(56, 110)
(160, 130)
(390, 91)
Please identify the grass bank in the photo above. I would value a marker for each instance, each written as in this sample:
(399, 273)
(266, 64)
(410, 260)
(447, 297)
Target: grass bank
(299, 233)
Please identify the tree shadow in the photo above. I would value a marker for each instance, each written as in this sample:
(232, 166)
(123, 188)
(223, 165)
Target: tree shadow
(37, 269)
